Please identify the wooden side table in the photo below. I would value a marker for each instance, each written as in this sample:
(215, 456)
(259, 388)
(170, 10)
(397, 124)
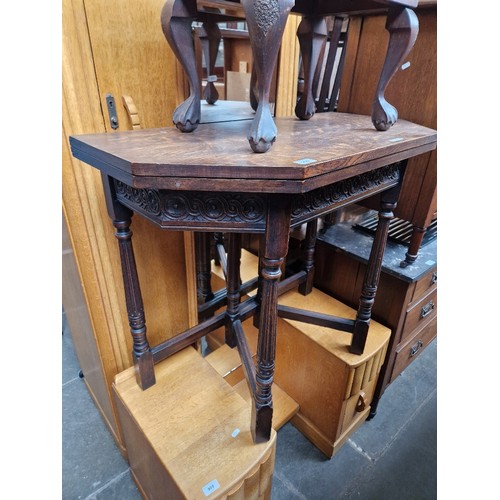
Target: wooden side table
(266, 21)
(199, 183)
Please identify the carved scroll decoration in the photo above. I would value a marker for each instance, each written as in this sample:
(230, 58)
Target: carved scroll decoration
(329, 196)
(194, 206)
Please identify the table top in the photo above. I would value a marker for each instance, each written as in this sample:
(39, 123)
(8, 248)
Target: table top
(307, 154)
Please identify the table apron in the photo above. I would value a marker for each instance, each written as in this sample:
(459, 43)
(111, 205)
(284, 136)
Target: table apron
(246, 212)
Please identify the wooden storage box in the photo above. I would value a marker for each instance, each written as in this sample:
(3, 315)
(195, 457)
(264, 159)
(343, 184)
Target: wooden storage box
(188, 436)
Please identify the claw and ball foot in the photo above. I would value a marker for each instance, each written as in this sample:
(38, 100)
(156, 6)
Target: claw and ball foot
(402, 25)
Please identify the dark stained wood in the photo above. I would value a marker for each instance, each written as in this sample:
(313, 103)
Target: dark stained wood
(177, 17)
(402, 24)
(210, 37)
(233, 286)
(203, 270)
(227, 205)
(388, 203)
(246, 356)
(312, 34)
(309, 245)
(266, 22)
(122, 219)
(315, 318)
(275, 250)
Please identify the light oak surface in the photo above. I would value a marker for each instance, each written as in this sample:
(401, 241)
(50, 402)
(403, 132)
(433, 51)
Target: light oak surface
(185, 432)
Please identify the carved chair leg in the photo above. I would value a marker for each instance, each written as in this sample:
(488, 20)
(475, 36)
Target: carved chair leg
(266, 21)
(402, 25)
(309, 246)
(210, 38)
(388, 204)
(275, 250)
(203, 269)
(312, 33)
(176, 19)
(233, 285)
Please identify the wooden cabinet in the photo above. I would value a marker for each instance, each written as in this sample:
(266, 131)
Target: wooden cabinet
(413, 91)
(406, 299)
(118, 48)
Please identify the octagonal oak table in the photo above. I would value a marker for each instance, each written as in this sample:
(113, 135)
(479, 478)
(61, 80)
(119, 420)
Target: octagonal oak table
(199, 183)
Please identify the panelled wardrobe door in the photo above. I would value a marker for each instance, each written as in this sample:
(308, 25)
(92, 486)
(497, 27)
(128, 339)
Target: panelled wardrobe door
(117, 48)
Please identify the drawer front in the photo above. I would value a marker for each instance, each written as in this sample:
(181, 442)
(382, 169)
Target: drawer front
(424, 285)
(419, 314)
(407, 352)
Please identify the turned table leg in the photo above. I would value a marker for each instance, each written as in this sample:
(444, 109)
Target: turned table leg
(122, 218)
(312, 33)
(402, 25)
(275, 249)
(388, 202)
(266, 21)
(210, 38)
(176, 19)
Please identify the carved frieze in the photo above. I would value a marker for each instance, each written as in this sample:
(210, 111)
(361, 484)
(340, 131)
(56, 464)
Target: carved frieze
(178, 209)
(321, 200)
(246, 212)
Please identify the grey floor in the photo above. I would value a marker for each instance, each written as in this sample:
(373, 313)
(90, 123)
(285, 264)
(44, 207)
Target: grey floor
(391, 457)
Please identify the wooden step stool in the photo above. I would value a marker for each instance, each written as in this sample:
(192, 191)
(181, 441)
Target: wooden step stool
(314, 367)
(188, 436)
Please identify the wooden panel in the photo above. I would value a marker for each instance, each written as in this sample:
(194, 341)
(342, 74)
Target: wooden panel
(288, 70)
(132, 57)
(106, 349)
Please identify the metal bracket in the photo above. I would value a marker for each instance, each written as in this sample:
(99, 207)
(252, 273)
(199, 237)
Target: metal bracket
(113, 118)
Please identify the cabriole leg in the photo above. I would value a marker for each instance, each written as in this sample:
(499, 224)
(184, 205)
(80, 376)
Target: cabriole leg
(266, 21)
(402, 25)
(210, 38)
(176, 19)
(312, 34)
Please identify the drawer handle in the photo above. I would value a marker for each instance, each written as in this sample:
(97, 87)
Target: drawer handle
(434, 278)
(416, 348)
(361, 404)
(427, 309)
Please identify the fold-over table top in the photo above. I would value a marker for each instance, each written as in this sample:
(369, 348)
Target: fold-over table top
(307, 154)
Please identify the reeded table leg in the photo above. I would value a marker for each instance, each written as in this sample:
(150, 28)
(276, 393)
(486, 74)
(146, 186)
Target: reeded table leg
(402, 24)
(122, 218)
(312, 33)
(233, 285)
(275, 250)
(266, 21)
(176, 19)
